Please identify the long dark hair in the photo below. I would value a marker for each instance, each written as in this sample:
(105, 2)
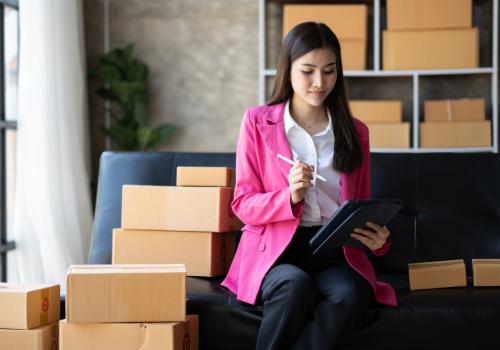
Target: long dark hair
(302, 39)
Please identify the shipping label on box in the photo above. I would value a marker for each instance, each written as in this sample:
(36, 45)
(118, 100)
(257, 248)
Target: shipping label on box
(456, 134)
(126, 293)
(437, 274)
(42, 338)
(431, 49)
(454, 110)
(26, 306)
(389, 135)
(130, 336)
(205, 176)
(486, 272)
(168, 208)
(370, 111)
(428, 14)
(346, 21)
(205, 254)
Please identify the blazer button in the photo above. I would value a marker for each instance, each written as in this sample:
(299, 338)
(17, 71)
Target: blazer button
(262, 247)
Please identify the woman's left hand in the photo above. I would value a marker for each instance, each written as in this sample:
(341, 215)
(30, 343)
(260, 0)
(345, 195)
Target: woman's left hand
(375, 238)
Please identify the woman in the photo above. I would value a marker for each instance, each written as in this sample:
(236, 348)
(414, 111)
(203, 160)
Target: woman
(307, 303)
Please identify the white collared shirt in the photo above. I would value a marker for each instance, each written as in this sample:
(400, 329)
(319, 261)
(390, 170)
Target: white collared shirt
(323, 198)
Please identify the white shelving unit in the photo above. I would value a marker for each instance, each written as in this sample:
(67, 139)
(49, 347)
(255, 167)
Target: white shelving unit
(415, 74)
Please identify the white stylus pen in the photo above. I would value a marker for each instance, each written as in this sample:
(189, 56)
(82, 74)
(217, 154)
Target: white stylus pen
(280, 156)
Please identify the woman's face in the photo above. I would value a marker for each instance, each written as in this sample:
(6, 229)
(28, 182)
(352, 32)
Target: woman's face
(313, 76)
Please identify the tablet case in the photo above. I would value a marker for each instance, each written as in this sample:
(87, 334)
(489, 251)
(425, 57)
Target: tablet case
(352, 214)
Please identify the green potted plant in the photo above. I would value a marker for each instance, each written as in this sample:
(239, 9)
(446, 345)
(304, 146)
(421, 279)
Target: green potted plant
(123, 82)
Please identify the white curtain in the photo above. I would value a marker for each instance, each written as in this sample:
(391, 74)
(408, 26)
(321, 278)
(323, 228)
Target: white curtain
(52, 218)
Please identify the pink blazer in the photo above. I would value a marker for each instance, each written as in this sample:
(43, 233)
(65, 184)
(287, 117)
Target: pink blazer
(262, 202)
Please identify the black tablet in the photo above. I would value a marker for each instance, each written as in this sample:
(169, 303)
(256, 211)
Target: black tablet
(352, 214)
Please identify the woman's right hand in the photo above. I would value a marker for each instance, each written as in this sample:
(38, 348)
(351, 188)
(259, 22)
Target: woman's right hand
(300, 180)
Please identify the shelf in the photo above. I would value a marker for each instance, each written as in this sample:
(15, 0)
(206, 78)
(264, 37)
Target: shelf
(415, 76)
(405, 73)
(433, 150)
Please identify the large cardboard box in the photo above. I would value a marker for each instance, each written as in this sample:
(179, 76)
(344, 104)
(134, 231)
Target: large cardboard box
(370, 111)
(167, 208)
(454, 110)
(205, 254)
(126, 293)
(129, 336)
(389, 135)
(431, 49)
(26, 306)
(456, 134)
(428, 14)
(348, 22)
(437, 274)
(205, 176)
(486, 272)
(41, 338)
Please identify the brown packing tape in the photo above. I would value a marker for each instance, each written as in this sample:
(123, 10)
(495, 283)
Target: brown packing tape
(44, 306)
(145, 336)
(54, 343)
(448, 109)
(186, 341)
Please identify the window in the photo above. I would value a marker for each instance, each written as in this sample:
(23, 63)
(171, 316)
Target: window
(9, 52)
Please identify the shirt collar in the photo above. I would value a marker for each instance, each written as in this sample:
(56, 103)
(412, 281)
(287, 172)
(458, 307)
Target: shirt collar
(290, 123)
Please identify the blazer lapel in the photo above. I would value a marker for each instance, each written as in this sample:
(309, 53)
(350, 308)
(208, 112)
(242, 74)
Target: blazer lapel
(273, 134)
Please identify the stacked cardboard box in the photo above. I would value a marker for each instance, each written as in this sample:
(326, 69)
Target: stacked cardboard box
(191, 223)
(127, 307)
(348, 22)
(28, 320)
(437, 274)
(455, 123)
(430, 34)
(384, 120)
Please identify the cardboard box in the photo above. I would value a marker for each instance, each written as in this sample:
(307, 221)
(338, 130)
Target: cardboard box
(437, 274)
(486, 272)
(353, 54)
(26, 306)
(205, 176)
(432, 49)
(205, 254)
(130, 336)
(456, 134)
(126, 293)
(348, 22)
(370, 111)
(167, 208)
(428, 14)
(454, 110)
(389, 135)
(41, 338)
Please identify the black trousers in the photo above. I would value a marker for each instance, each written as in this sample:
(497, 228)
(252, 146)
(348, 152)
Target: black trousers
(308, 303)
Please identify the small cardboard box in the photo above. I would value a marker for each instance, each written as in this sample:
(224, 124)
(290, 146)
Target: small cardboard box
(454, 110)
(456, 134)
(168, 208)
(41, 338)
(346, 21)
(431, 49)
(205, 176)
(428, 14)
(205, 254)
(486, 272)
(26, 306)
(130, 336)
(370, 111)
(437, 274)
(126, 293)
(389, 135)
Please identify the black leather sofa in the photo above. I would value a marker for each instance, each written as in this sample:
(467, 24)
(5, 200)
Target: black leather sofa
(452, 211)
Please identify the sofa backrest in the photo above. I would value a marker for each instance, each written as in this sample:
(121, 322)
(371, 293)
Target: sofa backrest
(451, 211)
